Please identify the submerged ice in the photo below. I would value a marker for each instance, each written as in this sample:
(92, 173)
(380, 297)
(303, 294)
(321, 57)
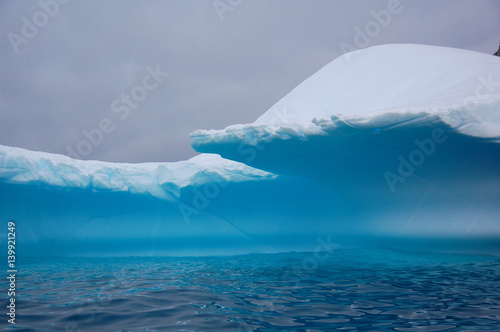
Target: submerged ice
(394, 146)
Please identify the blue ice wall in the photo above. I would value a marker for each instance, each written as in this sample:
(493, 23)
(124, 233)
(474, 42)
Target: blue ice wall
(419, 185)
(395, 146)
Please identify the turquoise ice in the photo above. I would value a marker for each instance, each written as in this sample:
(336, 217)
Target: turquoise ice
(393, 146)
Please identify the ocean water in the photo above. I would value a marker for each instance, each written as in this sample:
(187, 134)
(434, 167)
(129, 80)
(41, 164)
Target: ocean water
(339, 290)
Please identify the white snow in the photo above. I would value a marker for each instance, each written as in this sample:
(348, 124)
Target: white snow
(397, 77)
(401, 142)
(162, 180)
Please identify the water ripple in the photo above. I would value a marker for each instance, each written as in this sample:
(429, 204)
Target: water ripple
(354, 290)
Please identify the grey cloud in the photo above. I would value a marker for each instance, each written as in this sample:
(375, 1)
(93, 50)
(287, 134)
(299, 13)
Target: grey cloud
(64, 79)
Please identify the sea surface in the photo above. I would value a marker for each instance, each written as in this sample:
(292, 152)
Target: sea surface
(338, 290)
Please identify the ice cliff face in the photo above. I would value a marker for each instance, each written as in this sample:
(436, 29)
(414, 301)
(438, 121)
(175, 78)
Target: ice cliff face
(395, 146)
(160, 180)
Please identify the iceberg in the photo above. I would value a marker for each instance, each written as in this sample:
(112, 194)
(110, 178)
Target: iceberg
(394, 146)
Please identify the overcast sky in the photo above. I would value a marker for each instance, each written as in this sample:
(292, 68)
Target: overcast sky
(91, 76)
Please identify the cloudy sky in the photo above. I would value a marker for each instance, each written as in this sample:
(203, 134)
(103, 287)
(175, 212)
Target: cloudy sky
(127, 81)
